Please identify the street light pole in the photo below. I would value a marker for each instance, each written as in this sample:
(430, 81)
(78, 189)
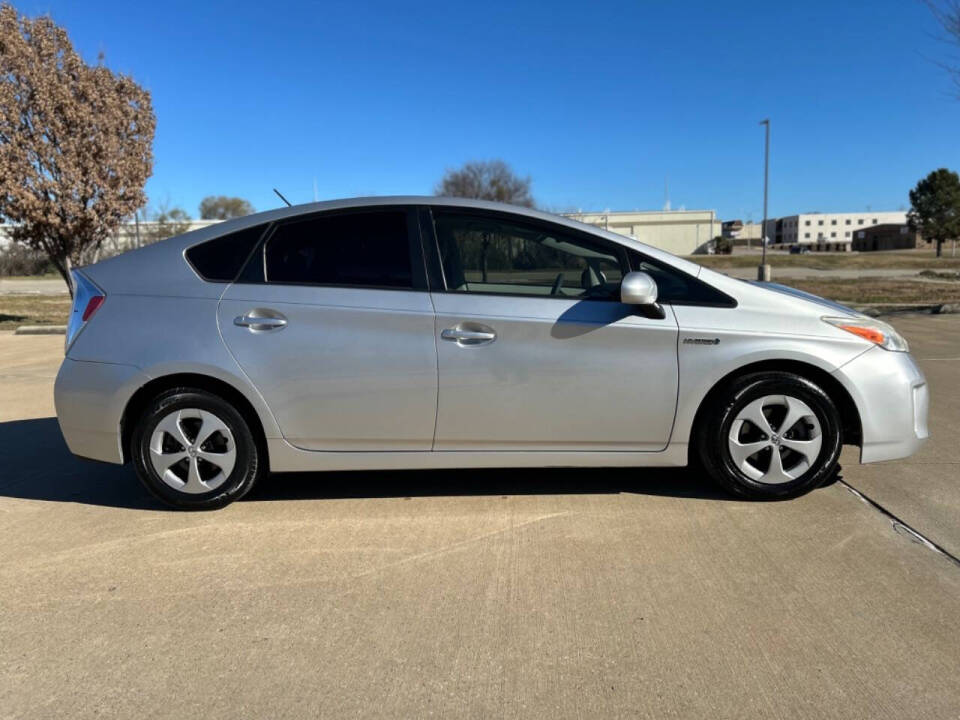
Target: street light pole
(763, 272)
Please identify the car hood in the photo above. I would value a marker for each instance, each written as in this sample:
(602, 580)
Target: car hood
(809, 297)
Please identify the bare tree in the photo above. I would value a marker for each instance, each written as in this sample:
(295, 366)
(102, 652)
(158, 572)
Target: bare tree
(75, 143)
(220, 207)
(486, 180)
(947, 13)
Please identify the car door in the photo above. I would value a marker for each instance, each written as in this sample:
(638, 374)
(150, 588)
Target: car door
(332, 322)
(535, 351)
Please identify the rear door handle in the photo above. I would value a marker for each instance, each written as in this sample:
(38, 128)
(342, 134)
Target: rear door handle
(473, 335)
(260, 323)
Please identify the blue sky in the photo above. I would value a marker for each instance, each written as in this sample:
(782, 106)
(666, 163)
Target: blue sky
(598, 102)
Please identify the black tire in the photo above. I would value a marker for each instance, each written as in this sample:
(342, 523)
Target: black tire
(247, 468)
(714, 431)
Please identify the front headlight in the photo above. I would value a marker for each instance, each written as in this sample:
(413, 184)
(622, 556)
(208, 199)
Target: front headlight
(876, 331)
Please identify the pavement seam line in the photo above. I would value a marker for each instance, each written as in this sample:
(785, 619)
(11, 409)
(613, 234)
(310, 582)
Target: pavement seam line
(897, 522)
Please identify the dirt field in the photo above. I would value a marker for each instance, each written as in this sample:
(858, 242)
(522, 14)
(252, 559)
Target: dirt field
(907, 259)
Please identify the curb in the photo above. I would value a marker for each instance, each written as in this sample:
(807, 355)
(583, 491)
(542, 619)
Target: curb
(41, 330)
(878, 309)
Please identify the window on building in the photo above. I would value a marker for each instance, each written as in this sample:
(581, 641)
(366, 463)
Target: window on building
(833, 234)
(369, 249)
(806, 235)
(819, 222)
(807, 223)
(833, 222)
(847, 234)
(874, 221)
(848, 221)
(860, 221)
(904, 230)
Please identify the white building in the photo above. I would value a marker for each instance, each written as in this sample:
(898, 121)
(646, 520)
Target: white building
(827, 231)
(682, 232)
(128, 235)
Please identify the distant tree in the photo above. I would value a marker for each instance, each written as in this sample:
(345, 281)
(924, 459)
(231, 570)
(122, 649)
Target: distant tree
(75, 143)
(489, 180)
(947, 13)
(220, 207)
(722, 245)
(935, 207)
(166, 222)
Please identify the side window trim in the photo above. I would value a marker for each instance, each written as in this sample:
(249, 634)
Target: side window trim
(254, 271)
(267, 227)
(635, 257)
(430, 246)
(439, 276)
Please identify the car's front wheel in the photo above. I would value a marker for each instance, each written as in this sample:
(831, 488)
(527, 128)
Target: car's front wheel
(771, 435)
(193, 450)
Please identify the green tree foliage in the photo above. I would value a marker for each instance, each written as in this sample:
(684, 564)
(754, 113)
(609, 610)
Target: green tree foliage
(221, 207)
(722, 245)
(935, 207)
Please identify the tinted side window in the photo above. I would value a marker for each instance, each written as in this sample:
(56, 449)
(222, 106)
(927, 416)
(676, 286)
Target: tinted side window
(678, 288)
(363, 249)
(482, 254)
(220, 259)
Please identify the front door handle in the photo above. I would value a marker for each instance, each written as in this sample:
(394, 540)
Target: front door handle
(469, 334)
(260, 321)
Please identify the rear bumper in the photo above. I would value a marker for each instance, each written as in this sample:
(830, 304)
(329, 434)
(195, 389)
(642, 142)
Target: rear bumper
(892, 397)
(90, 398)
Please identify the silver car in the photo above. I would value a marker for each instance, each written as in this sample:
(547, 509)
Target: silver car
(433, 332)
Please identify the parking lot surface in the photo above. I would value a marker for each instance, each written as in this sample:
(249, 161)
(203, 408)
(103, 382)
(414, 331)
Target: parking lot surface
(573, 593)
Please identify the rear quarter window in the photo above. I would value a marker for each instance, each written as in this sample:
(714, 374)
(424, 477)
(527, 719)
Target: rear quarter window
(220, 259)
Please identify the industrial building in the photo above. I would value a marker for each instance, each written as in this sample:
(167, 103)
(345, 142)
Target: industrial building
(827, 231)
(743, 233)
(129, 235)
(682, 232)
(885, 237)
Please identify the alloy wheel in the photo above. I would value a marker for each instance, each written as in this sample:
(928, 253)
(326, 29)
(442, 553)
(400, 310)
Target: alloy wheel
(193, 450)
(775, 439)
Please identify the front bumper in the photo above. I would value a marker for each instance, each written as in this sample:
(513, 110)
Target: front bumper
(892, 398)
(90, 398)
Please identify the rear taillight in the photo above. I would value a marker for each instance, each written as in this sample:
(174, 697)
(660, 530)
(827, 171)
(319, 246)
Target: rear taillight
(87, 299)
(95, 302)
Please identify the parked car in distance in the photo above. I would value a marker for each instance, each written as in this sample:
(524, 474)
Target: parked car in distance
(799, 250)
(425, 332)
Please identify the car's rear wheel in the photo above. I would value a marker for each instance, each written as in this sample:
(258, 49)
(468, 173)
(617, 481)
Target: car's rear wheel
(193, 450)
(771, 435)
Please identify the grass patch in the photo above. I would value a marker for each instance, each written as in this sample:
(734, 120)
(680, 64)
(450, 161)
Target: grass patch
(880, 290)
(936, 275)
(894, 259)
(17, 310)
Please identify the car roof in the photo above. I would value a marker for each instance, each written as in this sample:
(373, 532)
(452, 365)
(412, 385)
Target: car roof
(167, 265)
(284, 213)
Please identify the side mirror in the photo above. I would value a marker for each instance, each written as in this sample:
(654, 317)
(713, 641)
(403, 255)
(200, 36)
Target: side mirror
(639, 289)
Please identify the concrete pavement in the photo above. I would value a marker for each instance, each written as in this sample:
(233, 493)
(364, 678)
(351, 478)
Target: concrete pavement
(578, 593)
(924, 490)
(33, 286)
